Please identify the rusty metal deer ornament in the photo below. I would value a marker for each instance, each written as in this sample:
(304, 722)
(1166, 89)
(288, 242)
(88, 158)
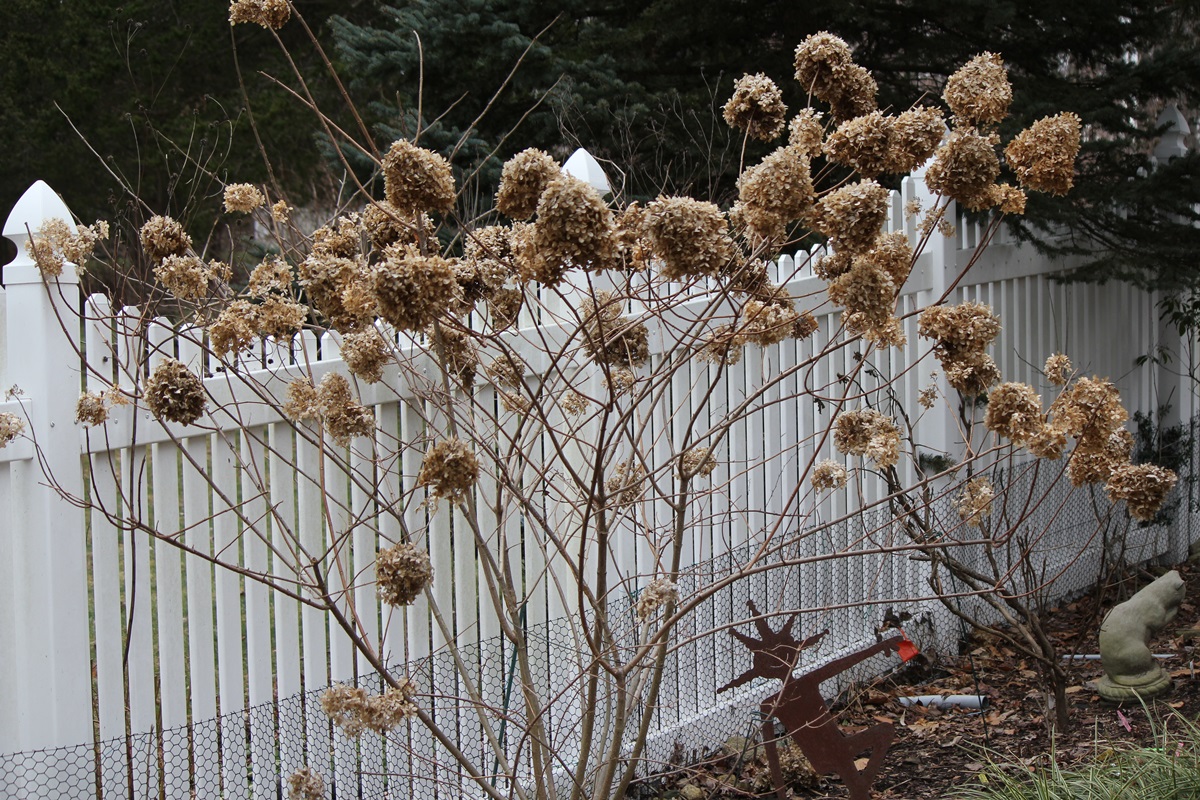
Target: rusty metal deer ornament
(799, 706)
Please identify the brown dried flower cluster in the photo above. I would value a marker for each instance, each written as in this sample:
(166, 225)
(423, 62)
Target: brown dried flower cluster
(1058, 369)
(575, 228)
(488, 259)
(609, 337)
(767, 322)
(450, 469)
(306, 784)
(272, 275)
(979, 92)
(91, 409)
(339, 289)
(853, 216)
(698, 461)
(366, 353)
(272, 14)
(507, 371)
(659, 593)
(185, 276)
(344, 417)
(1014, 410)
(235, 329)
(402, 572)
(828, 475)
(354, 711)
(1143, 487)
(526, 175)
(868, 295)
(461, 356)
(756, 108)
(1090, 410)
(242, 198)
(341, 238)
(383, 223)
(690, 236)
(303, 401)
(163, 236)
(962, 333)
(825, 67)
(417, 180)
(916, 134)
(868, 433)
(1096, 464)
(863, 143)
(281, 212)
(279, 317)
(413, 290)
(175, 393)
(55, 243)
(1043, 155)
(10, 427)
(1049, 442)
(627, 483)
(573, 403)
(805, 132)
(965, 168)
(975, 501)
(774, 193)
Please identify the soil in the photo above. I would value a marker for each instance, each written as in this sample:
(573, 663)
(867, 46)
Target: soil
(936, 750)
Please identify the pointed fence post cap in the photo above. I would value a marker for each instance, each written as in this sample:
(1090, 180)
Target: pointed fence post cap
(39, 204)
(585, 167)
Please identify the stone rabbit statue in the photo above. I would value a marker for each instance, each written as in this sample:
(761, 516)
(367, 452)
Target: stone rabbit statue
(1130, 669)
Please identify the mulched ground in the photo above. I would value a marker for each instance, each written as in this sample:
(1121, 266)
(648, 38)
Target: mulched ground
(934, 751)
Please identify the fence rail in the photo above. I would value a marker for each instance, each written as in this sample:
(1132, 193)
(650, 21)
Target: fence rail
(200, 680)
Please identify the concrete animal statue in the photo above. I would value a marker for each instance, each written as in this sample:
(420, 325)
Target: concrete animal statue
(1130, 669)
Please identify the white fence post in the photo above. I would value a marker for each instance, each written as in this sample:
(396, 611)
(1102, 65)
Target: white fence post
(50, 694)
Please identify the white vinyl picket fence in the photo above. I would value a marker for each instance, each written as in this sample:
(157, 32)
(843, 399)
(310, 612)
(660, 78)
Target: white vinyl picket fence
(130, 667)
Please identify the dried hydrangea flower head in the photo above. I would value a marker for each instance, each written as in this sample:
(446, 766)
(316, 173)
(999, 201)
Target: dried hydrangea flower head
(344, 417)
(1008, 198)
(1090, 410)
(56, 242)
(611, 338)
(1048, 442)
(866, 432)
(458, 353)
(489, 253)
(1096, 464)
(402, 572)
(965, 168)
(690, 236)
(828, 475)
(962, 333)
(1014, 410)
(281, 212)
(393, 707)
(417, 180)
(525, 176)
(508, 371)
(242, 198)
(1143, 487)
(175, 393)
(975, 501)
(633, 247)
(279, 317)
(366, 353)
(979, 92)
(306, 784)
(385, 225)
(775, 192)
(627, 483)
(698, 462)
(756, 108)
(185, 276)
(341, 238)
(863, 143)
(449, 469)
(272, 14)
(659, 593)
(573, 403)
(303, 401)
(825, 68)
(10, 427)
(916, 134)
(893, 255)
(806, 133)
(273, 275)
(163, 236)
(91, 409)
(575, 228)
(346, 706)
(1057, 369)
(354, 711)
(853, 216)
(413, 290)
(1043, 155)
(868, 295)
(235, 329)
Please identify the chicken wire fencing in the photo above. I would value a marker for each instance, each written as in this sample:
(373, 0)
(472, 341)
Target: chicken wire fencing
(1062, 540)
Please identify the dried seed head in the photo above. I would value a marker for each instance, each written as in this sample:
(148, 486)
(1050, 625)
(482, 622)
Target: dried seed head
(1143, 487)
(344, 417)
(279, 317)
(972, 375)
(756, 108)
(627, 483)
(306, 784)
(1043, 155)
(341, 238)
(272, 14)
(385, 225)
(965, 168)
(805, 325)
(825, 67)
(805, 133)
(402, 572)
(450, 469)
(621, 381)
(962, 333)
(863, 143)
(975, 501)
(1096, 464)
(281, 212)
(659, 593)
(354, 711)
(609, 337)
(690, 236)
(235, 329)
(979, 92)
(175, 393)
(828, 475)
(1090, 410)
(242, 198)
(507, 371)
(303, 401)
(91, 410)
(573, 403)
(574, 228)
(10, 427)
(526, 175)
(329, 281)
(504, 307)
(1058, 369)
(417, 180)
(366, 353)
(853, 216)
(867, 432)
(488, 256)
(1049, 442)
(55, 242)
(916, 134)
(776, 192)
(185, 276)
(461, 356)
(162, 237)
(413, 290)
(272, 275)
(868, 295)
(927, 397)
(698, 461)
(1014, 410)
